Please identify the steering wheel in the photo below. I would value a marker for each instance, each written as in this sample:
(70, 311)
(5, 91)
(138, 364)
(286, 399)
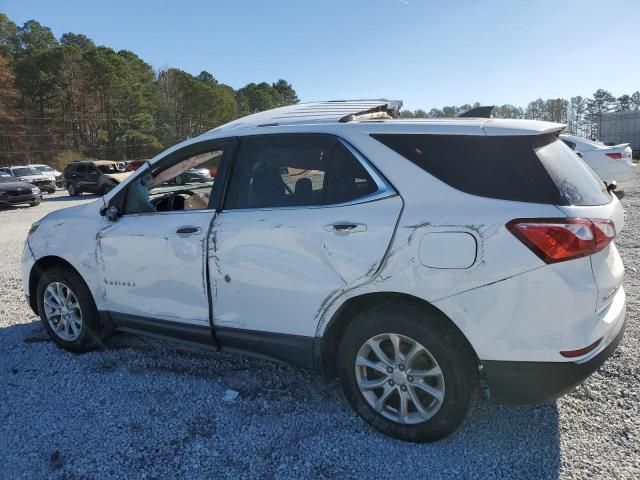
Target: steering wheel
(172, 197)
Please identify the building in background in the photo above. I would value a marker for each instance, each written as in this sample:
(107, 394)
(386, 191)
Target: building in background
(615, 128)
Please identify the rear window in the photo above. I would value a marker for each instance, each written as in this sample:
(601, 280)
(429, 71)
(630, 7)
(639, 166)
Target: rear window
(578, 184)
(537, 169)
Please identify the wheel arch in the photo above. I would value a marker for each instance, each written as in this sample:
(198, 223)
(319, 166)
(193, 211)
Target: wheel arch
(42, 265)
(326, 346)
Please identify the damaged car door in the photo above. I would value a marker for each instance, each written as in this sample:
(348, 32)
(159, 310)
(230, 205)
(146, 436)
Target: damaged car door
(153, 256)
(305, 218)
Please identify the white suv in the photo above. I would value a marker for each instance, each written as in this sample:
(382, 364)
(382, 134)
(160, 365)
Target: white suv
(408, 258)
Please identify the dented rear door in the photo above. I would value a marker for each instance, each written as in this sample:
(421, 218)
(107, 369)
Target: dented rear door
(274, 269)
(275, 264)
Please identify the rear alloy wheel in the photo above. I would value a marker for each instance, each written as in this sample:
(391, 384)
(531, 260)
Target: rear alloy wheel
(73, 190)
(406, 386)
(68, 312)
(407, 371)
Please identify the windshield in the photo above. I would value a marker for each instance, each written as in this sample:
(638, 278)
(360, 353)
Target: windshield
(24, 171)
(44, 168)
(4, 178)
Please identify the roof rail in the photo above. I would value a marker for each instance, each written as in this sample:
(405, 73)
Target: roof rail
(318, 112)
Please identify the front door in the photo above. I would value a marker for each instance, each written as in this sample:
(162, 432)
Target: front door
(153, 258)
(305, 218)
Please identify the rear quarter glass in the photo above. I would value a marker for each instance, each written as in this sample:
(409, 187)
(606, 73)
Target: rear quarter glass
(503, 167)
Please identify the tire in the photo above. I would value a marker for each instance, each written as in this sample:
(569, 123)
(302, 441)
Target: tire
(81, 336)
(34, 203)
(73, 190)
(443, 348)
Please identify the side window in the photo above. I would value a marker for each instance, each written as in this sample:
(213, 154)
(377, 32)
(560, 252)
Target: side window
(183, 182)
(569, 143)
(295, 170)
(348, 179)
(279, 170)
(82, 168)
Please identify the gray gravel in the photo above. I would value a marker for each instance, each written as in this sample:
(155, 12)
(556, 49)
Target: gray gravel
(150, 409)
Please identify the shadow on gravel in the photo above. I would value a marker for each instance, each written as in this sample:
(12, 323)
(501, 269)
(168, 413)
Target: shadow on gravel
(156, 406)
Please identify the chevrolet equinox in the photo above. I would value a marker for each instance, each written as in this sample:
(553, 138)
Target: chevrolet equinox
(410, 258)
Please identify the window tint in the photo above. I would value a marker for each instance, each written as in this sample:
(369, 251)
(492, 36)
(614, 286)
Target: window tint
(295, 170)
(498, 167)
(82, 168)
(349, 179)
(516, 168)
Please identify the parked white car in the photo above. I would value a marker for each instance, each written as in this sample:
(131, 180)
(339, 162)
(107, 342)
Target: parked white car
(51, 172)
(610, 163)
(31, 175)
(407, 257)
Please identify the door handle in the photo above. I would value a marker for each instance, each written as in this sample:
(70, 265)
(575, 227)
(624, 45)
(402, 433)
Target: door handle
(345, 227)
(189, 230)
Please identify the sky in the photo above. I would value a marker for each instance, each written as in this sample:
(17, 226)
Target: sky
(429, 53)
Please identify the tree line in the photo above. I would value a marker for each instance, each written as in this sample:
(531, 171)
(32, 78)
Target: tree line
(580, 114)
(68, 98)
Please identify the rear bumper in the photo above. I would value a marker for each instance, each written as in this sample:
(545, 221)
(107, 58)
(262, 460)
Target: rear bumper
(537, 382)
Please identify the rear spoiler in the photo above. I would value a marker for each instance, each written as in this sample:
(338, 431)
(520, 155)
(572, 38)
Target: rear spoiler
(478, 112)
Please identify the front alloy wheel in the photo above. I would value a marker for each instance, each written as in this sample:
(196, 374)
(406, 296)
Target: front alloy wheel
(63, 312)
(68, 312)
(399, 378)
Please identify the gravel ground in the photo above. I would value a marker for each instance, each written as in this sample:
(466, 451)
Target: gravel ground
(150, 409)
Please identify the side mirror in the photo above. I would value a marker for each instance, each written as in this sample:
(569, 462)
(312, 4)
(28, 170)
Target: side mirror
(111, 213)
(611, 186)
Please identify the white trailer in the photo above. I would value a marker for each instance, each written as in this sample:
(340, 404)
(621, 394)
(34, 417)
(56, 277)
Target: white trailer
(615, 128)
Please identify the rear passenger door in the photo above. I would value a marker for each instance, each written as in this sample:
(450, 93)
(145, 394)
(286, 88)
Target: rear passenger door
(305, 217)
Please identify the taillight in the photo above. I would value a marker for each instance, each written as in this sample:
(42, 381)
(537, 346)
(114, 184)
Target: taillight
(615, 156)
(559, 239)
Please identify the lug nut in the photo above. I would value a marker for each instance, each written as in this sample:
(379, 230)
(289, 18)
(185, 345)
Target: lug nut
(392, 383)
(403, 388)
(389, 370)
(401, 367)
(410, 378)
